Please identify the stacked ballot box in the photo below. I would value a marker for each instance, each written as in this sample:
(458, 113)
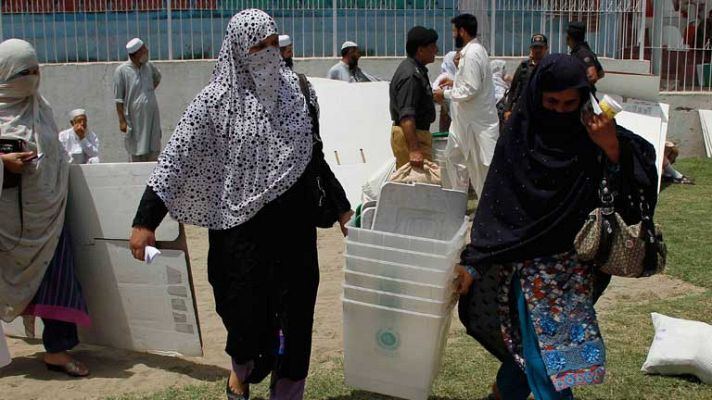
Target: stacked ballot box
(398, 289)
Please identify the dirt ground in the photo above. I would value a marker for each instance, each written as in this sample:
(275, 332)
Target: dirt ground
(116, 372)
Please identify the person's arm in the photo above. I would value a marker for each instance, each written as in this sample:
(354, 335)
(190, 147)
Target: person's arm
(468, 82)
(408, 96)
(156, 74)
(407, 124)
(123, 125)
(602, 132)
(119, 98)
(513, 90)
(90, 147)
(150, 214)
(333, 74)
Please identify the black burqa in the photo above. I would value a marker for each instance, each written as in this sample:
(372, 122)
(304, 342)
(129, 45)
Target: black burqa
(542, 184)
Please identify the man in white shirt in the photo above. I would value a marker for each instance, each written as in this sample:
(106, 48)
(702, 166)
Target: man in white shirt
(347, 69)
(135, 84)
(475, 126)
(81, 144)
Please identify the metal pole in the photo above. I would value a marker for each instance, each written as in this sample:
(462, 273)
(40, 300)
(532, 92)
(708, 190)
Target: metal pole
(334, 39)
(169, 9)
(493, 18)
(641, 37)
(657, 38)
(2, 38)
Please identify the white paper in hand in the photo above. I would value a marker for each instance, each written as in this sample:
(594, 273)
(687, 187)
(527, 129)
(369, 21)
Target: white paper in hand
(150, 253)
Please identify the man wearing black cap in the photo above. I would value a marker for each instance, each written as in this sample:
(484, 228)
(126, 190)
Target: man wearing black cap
(412, 108)
(538, 49)
(576, 39)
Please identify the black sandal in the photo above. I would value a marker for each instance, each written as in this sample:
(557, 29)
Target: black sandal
(72, 368)
(233, 396)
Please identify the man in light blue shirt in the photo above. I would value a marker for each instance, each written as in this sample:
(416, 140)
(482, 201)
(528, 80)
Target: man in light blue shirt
(347, 69)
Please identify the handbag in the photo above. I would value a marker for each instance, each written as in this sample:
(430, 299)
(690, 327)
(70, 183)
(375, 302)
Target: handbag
(617, 248)
(10, 179)
(317, 181)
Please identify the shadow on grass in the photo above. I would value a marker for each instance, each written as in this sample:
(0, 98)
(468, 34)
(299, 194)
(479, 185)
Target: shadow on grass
(112, 363)
(362, 395)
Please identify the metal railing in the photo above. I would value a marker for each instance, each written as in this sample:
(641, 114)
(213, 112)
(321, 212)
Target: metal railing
(673, 34)
(96, 30)
(678, 39)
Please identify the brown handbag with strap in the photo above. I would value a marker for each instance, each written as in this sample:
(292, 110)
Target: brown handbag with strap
(631, 251)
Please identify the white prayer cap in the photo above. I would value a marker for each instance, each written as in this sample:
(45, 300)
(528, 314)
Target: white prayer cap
(348, 44)
(75, 113)
(284, 40)
(134, 45)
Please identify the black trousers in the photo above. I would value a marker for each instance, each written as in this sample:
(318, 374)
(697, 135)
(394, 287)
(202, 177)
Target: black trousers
(59, 336)
(265, 275)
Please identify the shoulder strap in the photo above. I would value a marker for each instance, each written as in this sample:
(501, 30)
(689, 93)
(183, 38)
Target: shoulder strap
(304, 85)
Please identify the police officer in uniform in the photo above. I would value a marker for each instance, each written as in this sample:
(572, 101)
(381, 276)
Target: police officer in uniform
(538, 49)
(576, 39)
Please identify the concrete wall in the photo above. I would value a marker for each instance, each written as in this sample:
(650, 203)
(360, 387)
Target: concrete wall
(89, 86)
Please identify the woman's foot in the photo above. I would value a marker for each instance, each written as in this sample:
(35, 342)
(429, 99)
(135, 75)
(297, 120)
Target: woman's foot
(237, 390)
(681, 180)
(63, 362)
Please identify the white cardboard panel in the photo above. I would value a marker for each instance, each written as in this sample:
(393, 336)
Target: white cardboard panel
(136, 306)
(706, 122)
(644, 87)
(103, 199)
(355, 123)
(133, 306)
(650, 121)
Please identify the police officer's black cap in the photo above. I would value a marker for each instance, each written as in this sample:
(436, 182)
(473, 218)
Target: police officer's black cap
(539, 40)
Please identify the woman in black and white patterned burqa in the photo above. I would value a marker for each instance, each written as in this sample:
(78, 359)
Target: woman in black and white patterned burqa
(236, 165)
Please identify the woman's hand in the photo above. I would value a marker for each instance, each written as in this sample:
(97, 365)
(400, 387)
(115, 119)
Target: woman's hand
(602, 132)
(140, 238)
(15, 162)
(344, 219)
(463, 280)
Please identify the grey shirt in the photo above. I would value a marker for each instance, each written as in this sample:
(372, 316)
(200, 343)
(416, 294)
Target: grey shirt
(342, 72)
(411, 95)
(135, 88)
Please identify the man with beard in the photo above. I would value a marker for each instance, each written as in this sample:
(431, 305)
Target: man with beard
(475, 125)
(286, 50)
(347, 69)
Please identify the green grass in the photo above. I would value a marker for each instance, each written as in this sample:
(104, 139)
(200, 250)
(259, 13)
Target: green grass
(685, 214)
(468, 370)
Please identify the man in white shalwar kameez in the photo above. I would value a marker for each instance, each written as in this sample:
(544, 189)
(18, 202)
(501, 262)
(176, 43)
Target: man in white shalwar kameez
(135, 82)
(475, 126)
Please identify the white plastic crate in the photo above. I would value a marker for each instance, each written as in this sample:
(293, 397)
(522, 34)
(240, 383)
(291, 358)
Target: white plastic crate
(399, 286)
(398, 301)
(392, 352)
(399, 271)
(419, 210)
(448, 247)
(394, 255)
